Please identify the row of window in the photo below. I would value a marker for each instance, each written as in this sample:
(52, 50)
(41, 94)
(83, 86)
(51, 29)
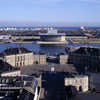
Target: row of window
(20, 58)
(20, 64)
(74, 81)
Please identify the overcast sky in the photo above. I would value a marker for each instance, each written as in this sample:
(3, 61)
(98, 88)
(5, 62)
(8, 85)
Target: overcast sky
(64, 12)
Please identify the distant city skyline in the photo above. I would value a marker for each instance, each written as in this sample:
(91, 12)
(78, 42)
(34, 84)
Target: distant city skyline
(49, 12)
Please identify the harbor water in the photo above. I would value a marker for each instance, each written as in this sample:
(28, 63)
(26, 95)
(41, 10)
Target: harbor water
(49, 49)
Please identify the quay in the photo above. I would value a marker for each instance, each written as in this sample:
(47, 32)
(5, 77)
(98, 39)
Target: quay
(50, 42)
(22, 42)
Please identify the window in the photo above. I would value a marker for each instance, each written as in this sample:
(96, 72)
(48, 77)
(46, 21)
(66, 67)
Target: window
(21, 58)
(24, 57)
(80, 81)
(23, 63)
(36, 62)
(80, 88)
(20, 64)
(75, 81)
(18, 58)
(17, 64)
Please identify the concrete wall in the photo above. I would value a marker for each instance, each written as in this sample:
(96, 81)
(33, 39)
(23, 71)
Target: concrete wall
(77, 82)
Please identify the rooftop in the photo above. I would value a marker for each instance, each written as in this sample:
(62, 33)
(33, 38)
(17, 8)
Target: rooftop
(7, 68)
(13, 51)
(90, 51)
(27, 82)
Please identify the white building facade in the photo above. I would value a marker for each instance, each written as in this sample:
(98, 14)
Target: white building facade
(79, 82)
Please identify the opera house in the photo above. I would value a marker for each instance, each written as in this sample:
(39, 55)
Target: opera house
(52, 37)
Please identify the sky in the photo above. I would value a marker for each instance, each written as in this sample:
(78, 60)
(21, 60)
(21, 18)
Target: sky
(55, 12)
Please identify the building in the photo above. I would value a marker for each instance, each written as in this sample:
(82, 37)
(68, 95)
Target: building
(80, 82)
(95, 82)
(84, 58)
(5, 38)
(39, 58)
(22, 87)
(82, 28)
(88, 57)
(76, 37)
(52, 37)
(18, 57)
(63, 59)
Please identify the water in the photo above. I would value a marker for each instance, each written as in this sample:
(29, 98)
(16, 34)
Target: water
(49, 49)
